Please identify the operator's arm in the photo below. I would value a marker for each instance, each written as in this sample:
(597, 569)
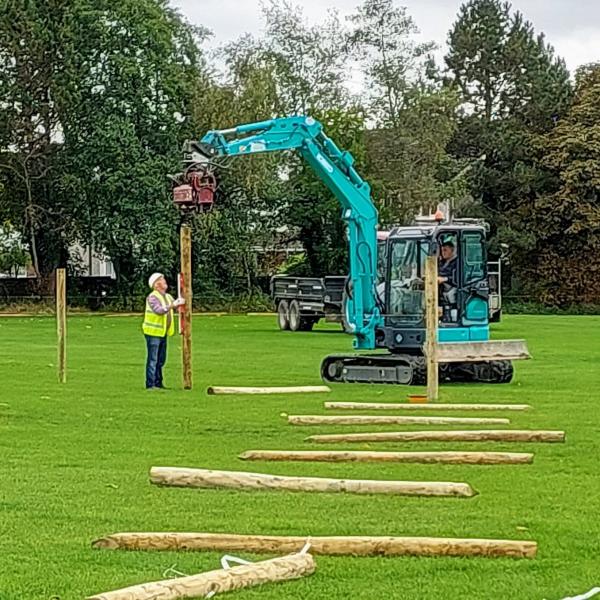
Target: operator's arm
(448, 272)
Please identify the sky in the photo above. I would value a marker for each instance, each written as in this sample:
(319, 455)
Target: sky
(571, 26)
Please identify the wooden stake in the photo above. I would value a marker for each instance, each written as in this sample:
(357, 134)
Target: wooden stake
(467, 458)
(206, 584)
(302, 389)
(330, 545)
(186, 269)
(424, 406)
(431, 319)
(61, 323)
(484, 435)
(205, 478)
(390, 420)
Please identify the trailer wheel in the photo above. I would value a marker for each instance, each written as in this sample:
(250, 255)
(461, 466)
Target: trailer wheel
(294, 316)
(283, 317)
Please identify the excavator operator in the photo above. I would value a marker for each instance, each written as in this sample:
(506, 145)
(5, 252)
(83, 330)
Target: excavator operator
(448, 280)
(447, 270)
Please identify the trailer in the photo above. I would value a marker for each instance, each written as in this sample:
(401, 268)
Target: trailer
(301, 302)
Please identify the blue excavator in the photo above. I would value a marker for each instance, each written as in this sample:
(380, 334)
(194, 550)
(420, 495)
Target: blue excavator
(385, 290)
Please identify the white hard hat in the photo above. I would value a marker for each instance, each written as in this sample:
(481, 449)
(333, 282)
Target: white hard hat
(153, 279)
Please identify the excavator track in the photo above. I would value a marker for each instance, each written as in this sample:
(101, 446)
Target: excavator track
(408, 369)
(491, 371)
(403, 369)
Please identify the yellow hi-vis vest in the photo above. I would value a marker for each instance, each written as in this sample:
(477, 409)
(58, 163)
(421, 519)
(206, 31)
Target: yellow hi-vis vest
(156, 325)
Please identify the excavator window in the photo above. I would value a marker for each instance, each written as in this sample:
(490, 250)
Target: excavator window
(474, 259)
(405, 291)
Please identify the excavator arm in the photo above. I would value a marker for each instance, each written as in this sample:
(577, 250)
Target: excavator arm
(335, 168)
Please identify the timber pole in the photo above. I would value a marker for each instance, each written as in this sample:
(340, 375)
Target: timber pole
(328, 545)
(448, 457)
(206, 585)
(392, 420)
(419, 407)
(186, 271)
(482, 435)
(207, 478)
(61, 324)
(431, 319)
(296, 389)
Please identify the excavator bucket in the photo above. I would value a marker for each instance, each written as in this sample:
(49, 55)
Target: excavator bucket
(460, 352)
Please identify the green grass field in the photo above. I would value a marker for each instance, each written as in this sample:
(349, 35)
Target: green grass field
(75, 461)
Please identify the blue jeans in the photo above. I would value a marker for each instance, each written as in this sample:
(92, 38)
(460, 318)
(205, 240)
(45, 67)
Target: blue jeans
(155, 361)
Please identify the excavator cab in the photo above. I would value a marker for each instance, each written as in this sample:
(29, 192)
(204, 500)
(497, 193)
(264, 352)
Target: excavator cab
(463, 285)
(465, 350)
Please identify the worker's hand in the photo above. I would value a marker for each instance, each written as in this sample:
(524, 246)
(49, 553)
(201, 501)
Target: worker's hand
(178, 302)
(442, 279)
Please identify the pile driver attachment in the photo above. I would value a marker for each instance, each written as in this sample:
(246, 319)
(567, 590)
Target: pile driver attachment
(194, 188)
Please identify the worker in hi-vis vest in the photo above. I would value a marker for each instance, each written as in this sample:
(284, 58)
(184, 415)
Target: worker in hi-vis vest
(159, 324)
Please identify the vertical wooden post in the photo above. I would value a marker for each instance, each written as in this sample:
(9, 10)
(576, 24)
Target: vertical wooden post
(431, 316)
(61, 324)
(186, 270)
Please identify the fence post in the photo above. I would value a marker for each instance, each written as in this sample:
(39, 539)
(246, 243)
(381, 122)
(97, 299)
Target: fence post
(61, 323)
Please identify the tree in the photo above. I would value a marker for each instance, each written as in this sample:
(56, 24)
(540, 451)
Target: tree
(414, 115)
(12, 254)
(295, 68)
(245, 212)
(408, 163)
(382, 40)
(565, 264)
(503, 69)
(34, 38)
(513, 88)
(309, 61)
(130, 107)
(96, 101)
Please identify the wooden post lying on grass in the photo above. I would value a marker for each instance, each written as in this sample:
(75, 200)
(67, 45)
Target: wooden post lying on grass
(61, 324)
(390, 420)
(205, 478)
(283, 568)
(185, 247)
(467, 458)
(408, 406)
(482, 435)
(329, 545)
(431, 321)
(303, 389)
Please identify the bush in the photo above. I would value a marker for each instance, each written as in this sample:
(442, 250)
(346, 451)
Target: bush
(516, 307)
(295, 266)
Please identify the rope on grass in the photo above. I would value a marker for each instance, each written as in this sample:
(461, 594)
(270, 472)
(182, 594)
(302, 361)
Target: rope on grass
(171, 571)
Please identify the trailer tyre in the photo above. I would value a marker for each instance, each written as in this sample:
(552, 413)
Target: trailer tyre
(294, 316)
(283, 315)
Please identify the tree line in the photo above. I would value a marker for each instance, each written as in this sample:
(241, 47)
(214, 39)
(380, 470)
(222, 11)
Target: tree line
(97, 98)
